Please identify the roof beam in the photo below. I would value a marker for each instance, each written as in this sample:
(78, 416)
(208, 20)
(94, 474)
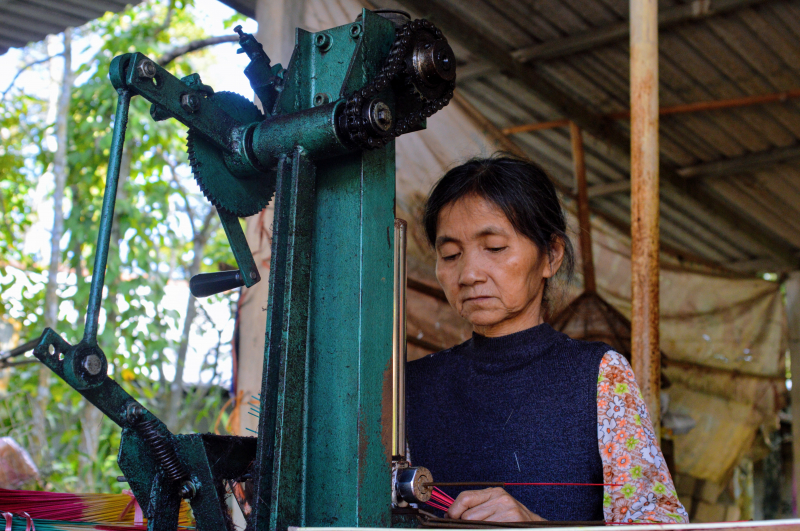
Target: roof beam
(697, 10)
(736, 165)
(245, 7)
(693, 192)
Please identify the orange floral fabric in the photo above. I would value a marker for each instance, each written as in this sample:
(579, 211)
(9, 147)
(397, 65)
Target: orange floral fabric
(631, 457)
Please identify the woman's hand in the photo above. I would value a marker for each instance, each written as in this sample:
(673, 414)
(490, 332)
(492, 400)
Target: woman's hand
(495, 505)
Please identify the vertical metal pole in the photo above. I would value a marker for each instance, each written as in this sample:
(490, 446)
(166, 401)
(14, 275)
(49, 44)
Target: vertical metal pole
(106, 218)
(399, 343)
(792, 286)
(644, 203)
(584, 224)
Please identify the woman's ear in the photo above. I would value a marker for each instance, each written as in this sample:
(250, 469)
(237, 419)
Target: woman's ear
(555, 257)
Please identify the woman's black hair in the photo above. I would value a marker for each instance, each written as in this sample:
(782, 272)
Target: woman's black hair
(519, 187)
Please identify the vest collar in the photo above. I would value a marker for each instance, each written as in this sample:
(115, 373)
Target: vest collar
(530, 343)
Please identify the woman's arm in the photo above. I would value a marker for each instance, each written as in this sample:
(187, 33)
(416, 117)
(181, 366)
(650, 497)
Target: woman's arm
(631, 455)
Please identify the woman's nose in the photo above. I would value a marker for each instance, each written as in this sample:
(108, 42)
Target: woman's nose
(472, 271)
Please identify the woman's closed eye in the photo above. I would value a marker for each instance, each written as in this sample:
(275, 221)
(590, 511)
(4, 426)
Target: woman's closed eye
(496, 249)
(450, 257)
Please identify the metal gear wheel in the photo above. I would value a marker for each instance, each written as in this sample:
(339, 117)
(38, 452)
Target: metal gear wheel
(242, 197)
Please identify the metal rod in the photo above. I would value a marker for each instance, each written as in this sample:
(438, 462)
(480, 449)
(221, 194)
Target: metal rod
(504, 484)
(106, 218)
(584, 223)
(684, 108)
(399, 344)
(645, 349)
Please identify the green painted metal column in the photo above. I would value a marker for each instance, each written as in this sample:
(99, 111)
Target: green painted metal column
(326, 393)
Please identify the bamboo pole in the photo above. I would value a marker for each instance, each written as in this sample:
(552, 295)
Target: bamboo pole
(584, 223)
(644, 203)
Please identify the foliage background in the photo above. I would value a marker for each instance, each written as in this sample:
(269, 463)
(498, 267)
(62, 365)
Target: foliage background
(164, 232)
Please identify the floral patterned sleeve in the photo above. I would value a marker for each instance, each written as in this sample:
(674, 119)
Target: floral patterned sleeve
(630, 453)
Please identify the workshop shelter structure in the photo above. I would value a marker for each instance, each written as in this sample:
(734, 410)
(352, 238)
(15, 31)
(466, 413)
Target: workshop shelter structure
(729, 195)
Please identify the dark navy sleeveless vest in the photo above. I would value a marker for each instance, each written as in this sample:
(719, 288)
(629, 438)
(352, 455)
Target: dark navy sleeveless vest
(521, 408)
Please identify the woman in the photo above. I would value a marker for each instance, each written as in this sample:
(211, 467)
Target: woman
(520, 402)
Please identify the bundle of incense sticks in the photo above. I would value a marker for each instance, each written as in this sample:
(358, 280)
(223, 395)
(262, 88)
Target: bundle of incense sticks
(440, 500)
(119, 510)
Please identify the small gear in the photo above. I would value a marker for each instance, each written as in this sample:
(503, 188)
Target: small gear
(403, 60)
(242, 197)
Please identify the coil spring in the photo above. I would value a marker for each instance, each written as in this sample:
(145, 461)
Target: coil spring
(163, 451)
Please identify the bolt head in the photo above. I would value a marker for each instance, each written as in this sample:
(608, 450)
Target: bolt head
(187, 490)
(253, 275)
(190, 102)
(380, 116)
(147, 69)
(134, 413)
(93, 364)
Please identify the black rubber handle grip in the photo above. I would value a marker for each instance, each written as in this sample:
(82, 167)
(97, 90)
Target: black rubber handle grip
(207, 284)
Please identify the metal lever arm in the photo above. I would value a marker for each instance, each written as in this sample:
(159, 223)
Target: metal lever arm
(207, 284)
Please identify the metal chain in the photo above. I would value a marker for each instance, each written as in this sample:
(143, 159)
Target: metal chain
(357, 126)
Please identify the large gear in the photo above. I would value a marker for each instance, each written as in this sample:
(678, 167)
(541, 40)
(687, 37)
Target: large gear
(430, 97)
(242, 197)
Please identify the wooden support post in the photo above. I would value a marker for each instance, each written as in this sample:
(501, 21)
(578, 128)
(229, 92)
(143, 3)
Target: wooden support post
(792, 286)
(644, 203)
(584, 223)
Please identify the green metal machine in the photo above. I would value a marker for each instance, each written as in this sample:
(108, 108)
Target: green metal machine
(324, 147)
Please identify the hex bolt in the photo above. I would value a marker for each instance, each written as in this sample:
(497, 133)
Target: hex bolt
(93, 364)
(380, 115)
(134, 413)
(187, 490)
(190, 103)
(147, 69)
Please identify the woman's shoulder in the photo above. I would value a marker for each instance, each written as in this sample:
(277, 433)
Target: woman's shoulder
(595, 350)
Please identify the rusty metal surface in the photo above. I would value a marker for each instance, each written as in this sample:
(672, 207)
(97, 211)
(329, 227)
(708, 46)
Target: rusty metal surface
(584, 225)
(749, 51)
(645, 353)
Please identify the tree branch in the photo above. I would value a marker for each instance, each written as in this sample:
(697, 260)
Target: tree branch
(193, 46)
(167, 19)
(27, 66)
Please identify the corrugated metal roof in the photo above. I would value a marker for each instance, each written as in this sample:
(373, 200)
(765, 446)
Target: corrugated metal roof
(731, 212)
(26, 21)
(745, 218)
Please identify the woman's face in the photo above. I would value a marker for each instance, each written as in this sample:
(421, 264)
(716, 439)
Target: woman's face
(493, 276)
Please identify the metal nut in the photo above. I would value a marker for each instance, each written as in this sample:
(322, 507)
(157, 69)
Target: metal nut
(147, 69)
(323, 41)
(412, 484)
(187, 490)
(93, 364)
(190, 102)
(321, 98)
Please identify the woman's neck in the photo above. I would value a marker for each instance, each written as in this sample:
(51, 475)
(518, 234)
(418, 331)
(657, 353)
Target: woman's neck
(530, 316)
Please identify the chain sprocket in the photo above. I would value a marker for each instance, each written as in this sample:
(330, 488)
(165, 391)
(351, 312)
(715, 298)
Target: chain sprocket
(429, 98)
(242, 197)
